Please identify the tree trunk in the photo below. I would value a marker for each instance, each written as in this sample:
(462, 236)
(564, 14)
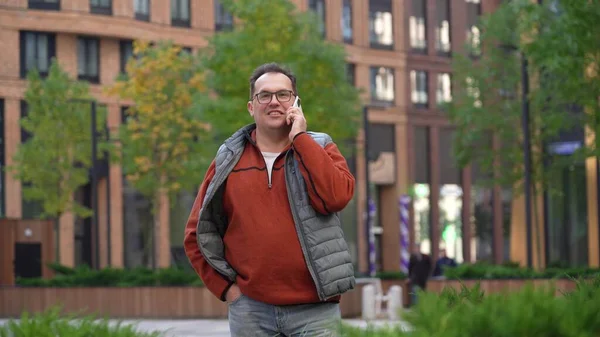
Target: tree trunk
(66, 237)
(148, 245)
(162, 240)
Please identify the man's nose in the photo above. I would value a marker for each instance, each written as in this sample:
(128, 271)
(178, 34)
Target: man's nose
(274, 100)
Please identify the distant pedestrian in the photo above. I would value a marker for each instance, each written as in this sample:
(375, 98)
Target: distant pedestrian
(419, 269)
(443, 262)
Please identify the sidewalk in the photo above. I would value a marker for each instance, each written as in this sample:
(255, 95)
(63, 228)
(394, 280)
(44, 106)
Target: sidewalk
(208, 328)
(213, 328)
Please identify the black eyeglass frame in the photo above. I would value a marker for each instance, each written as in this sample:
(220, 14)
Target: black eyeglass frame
(292, 93)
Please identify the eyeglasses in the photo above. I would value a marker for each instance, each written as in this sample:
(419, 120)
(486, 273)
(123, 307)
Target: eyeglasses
(265, 97)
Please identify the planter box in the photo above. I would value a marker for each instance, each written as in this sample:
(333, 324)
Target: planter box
(137, 302)
(142, 302)
(196, 302)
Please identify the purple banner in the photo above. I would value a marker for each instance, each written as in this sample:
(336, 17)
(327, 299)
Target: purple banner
(404, 206)
(372, 251)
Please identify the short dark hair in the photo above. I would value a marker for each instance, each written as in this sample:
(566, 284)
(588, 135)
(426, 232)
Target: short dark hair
(271, 68)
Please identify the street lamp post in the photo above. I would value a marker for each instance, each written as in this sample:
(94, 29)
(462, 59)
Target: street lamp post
(94, 182)
(108, 210)
(94, 179)
(526, 148)
(526, 155)
(368, 202)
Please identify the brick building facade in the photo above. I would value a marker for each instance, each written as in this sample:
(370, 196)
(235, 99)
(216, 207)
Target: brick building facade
(399, 53)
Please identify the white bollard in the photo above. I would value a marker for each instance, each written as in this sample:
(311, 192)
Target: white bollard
(394, 302)
(368, 302)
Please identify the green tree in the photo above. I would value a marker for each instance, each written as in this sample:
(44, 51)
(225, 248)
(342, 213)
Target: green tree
(564, 51)
(164, 144)
(275, 31)
(487, 101)
(56, 158)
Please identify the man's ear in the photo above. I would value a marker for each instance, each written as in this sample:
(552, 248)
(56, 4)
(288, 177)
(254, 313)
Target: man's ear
(250, 108)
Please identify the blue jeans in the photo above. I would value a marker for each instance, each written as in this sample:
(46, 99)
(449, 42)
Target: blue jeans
(250, 318)
(414, 294)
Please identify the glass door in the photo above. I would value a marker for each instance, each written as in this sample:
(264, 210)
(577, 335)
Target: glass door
(566, 212)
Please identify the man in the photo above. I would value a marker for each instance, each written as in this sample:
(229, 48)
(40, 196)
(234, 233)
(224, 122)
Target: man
(264, 234)
(419, 268)
(443, 262)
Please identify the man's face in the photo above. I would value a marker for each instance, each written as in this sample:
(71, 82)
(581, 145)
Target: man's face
(270, 112)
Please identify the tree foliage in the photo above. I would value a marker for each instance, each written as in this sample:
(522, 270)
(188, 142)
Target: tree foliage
(556, 40)
(56, 158)
(163, 142)
(566, 53)
(274, 31)
(487, 100)
(165, 146)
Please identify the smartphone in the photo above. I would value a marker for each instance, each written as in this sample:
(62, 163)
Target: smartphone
(296, 102)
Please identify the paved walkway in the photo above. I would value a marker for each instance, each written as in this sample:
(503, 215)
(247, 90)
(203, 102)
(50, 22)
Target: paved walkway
(204, 328)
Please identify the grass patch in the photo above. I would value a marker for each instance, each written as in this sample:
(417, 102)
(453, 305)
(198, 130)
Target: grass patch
(52, 323)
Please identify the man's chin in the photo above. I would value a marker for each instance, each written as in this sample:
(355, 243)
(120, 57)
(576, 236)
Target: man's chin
(278, 126)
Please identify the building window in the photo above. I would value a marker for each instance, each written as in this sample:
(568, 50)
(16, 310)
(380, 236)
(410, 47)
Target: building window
(381, 30)
(138, 234)
(101, 7)
(450, 199)
(350, 71)
(25, 135)
(473, 92)
(88, 52)
(473, 32)
(442, 30)
(418, 88)
(187, 50)
(347, 21)
(142, 9)
(180, 13)
(124, 114)
(567, 217)
(30, 209)
(482, 212)
(126, 52)
(318, 6)
(45, 4)
(418, 26)
(382, 85)
(444, 89)
(422, 188)
(37, 52)
(2, 162)
(223, 19)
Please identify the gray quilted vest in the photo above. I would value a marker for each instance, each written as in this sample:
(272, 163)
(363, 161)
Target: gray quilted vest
(321, 237)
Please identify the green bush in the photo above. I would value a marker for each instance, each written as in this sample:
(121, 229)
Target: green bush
(391, 275)
(389, 331)
(531, 311)
(480, 271)
(52, 324)
(60, 269)
(527, 312)
(114, 277)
